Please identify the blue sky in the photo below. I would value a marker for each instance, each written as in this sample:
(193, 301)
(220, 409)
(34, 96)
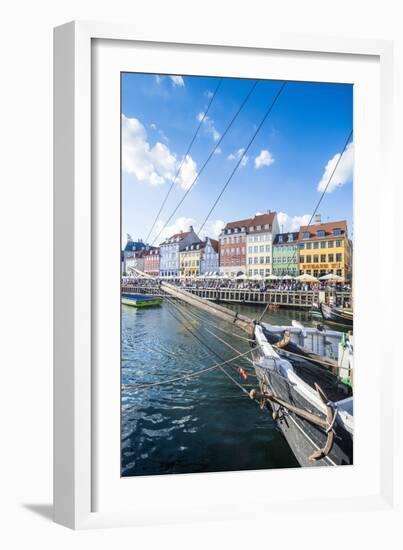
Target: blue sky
(284, 170)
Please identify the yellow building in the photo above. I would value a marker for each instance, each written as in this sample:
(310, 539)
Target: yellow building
(189, 260)
(325, 248)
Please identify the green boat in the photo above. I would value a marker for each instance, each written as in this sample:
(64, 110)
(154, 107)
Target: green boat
(138, 300)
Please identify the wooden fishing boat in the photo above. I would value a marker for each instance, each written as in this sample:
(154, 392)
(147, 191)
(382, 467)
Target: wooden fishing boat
(335, 315)
(311, 406)
(138, 300)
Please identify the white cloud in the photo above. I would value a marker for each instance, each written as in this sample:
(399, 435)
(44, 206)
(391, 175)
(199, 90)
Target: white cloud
(343, 173)
(176, 80)
(153, 165)
(218, 151)
(236, 155)
(264, 158)
(211, 229)
(208, 124)
(291, 223)
(153, 126)
(209, 94)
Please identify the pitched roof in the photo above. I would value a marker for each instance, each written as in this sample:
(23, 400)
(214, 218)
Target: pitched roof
(285, 237)
(214, 244)
(238, 223)
(173, 238)
(259, 219)
(326, 227)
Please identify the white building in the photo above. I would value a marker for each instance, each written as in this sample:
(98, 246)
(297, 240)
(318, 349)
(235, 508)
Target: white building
(261, 233)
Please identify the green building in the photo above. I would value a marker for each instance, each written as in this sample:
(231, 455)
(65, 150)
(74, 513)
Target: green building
(285, 254)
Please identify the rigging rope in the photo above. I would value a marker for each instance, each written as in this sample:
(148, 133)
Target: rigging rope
(202, 119)
(208, 158)
(243, 154)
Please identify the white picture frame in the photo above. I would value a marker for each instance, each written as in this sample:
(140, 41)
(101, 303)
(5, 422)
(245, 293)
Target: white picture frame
(80, 428)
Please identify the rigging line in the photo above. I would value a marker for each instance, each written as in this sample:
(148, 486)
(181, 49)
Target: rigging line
(208, 158)
(331, 175)
(218, 338)
(325, 189)
(184, 158)
(243, 154)
(178, 378)
(214, 352)
(211, 323)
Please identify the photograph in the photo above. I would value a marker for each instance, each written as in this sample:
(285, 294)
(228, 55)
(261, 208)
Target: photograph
(236, 259)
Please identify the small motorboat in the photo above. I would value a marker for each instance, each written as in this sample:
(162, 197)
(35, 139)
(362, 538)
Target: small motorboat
(336, 315)
(138, 300)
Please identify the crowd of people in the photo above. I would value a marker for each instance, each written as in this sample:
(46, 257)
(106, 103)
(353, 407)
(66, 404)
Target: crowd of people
(290, 285)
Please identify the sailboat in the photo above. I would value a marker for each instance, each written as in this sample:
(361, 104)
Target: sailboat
(311, 405)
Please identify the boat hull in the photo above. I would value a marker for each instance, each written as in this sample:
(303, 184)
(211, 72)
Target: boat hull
(303, 437)
(334, 316)
(139, 301)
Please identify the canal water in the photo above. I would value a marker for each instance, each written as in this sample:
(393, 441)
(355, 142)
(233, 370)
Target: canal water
(201, 424)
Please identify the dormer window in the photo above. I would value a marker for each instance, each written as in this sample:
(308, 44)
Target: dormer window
(306, 235)
(320, 233)
(280, 238)
(290, 237)
(252, 228)
(337, 232)
(258, 227)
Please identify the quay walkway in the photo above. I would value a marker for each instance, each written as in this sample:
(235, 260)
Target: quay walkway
(285, 298)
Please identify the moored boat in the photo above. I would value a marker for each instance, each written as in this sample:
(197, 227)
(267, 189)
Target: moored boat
(138, 300)
(312, 407)
(335, 315)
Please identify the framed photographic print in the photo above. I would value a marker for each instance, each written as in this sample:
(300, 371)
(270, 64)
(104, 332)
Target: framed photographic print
(212, 268)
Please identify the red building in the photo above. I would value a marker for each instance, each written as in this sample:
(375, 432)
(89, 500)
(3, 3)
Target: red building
(152, 262)
(233, 247)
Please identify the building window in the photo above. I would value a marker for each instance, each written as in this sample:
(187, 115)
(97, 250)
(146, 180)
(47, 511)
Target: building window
(331, 257)
(290, 237)
(320, 233)
(316, 245)
(302, 259)
(330, 244)
(315, 259)
(306, 235)
(308, 246)
(301, 246)
(323, 244)
(267, 259)
(251, 228)
(338, 257)
(336, 231)
(308, 259)
(338, 244)
(323, 257)
(280, 238)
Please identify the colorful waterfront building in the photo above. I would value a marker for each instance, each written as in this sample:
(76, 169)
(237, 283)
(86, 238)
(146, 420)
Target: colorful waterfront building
(261, 232)
(285, 254)
(190, 258)
(232, 247)
(130, 250)
(170, 252)
(152, 262)
(325, 248)
(210, 259)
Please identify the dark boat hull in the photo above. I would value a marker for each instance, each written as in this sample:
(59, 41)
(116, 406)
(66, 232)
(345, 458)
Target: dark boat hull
(332, 315)
(303, 437)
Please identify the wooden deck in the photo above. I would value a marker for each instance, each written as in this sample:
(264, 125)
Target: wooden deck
(284, 298)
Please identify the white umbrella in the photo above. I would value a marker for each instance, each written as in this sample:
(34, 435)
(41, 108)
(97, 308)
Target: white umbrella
(331, 277)
(257, 278)
(287, 278)
(272, 277)
(242, 277)
(307, 278)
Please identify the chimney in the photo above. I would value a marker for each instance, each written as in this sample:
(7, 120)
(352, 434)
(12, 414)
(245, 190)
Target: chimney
(317, 218)
(191, 228)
